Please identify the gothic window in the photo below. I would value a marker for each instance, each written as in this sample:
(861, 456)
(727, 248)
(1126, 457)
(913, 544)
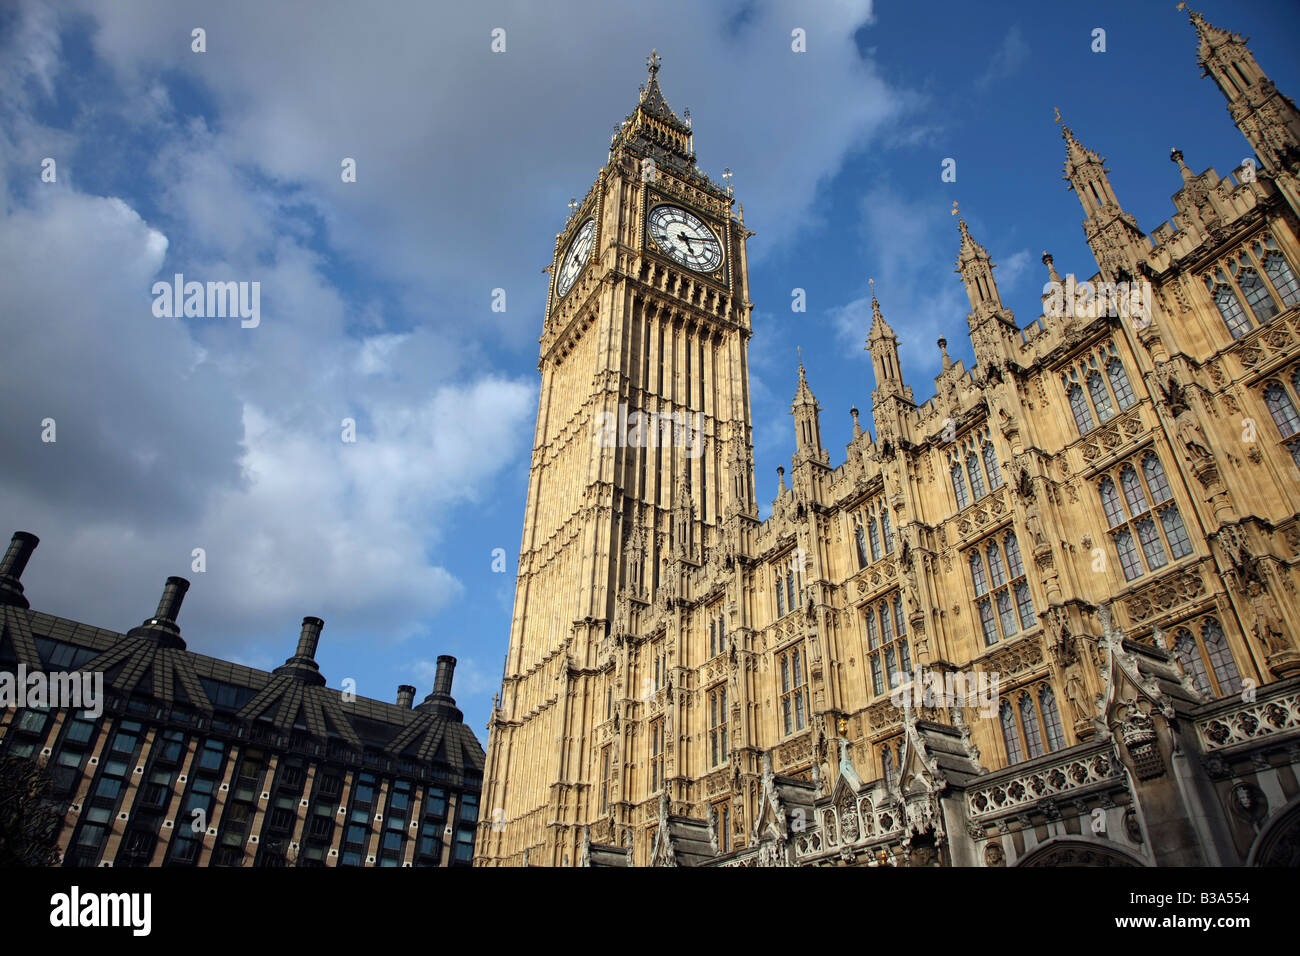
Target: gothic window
(1029, 722)
(873, 535)
(790, 584)
(1143, 540)
(1010, 733)
(887, 767)
(1051, 718)
(713, 639)
(656, 755)
(1229, 306)
(1004, 604)
(860, 537)
(887, 648)
(718, 750)
(1282, 409)
(887, 530)
(976, 476)
(794, 688)
(606, 758)
(780, 596)
(1257, 295)
(992, 467)
(1119, 383)
(1283, 278)
(959, 486)
(722, 825)
(1079, 407)
(1188, 653)
(1208, 660)
(1100, 397)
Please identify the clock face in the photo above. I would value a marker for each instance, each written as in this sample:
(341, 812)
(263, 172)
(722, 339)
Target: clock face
(577, 256)
(685, 238)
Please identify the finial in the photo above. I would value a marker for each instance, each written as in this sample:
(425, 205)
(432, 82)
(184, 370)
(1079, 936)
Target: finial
(1047, 261)
(954, 207)
(1057, 111)
(652, 61)
(1176, 155)
(799, 350)
(857, 428)
(727, 174)
(780, 477)
(943, 350)
(686, 117)
(573, 204)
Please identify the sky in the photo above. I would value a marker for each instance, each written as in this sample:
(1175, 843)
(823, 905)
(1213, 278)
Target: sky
(376, 295)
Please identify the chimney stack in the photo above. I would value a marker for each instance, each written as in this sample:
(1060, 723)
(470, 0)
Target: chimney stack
(405, 696)
(15, 560)
(303, 663)
(442, 681)
(441, 701)
(162, 626)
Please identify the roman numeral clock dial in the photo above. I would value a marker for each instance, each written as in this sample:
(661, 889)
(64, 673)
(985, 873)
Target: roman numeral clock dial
(577, 256)
(685, 238)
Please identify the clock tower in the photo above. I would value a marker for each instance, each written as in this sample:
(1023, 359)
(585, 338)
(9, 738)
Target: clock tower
(642, 447)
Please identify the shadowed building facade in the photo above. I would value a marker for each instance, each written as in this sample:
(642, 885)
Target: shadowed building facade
(196, 761)
(1097, 528)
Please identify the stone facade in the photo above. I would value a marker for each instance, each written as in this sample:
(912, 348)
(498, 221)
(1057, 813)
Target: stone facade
(1047, 617)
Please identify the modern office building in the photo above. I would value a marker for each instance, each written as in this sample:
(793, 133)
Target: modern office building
(195, 761)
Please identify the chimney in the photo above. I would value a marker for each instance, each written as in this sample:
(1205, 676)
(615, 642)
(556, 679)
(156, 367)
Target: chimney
(162, 626)
(20, 550)
(441, 701)
(303, 663)
(405, 696)
(442, 681)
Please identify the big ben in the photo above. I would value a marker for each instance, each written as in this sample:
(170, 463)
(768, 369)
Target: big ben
(642, 445)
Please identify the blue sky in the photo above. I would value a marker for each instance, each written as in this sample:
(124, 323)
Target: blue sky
(174, 434)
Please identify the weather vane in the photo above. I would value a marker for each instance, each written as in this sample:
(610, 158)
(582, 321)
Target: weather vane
(954, 207)
(652, 61)
(573, 204)
(1057, 111)
(727, 174)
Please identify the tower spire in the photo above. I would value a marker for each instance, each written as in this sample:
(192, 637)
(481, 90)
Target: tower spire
(1267, 118)
(807, 418)
(1113, 234)
(883, 346)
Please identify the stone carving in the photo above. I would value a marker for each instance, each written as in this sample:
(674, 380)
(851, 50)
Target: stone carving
(1269, 629)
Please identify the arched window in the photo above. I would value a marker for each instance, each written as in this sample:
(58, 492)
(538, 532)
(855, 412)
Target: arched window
(1176, 534)
(899, 621)
(887, 766)
(873, 535)
(1128, 557)
(1155, 476)
(976, 476)
(997, 573)
(1282, 409)
(1025, 605)
(1013, 555)
(886, 626)
(780, 596)
(1100, 397)
(873, 635)
(1152, 547)
(1110, 502)
(977, 574)
(1225, 668)
(860, 536)
(887, 531)
(1119, 383)
(959, 486)
(1234, 316)
(992, 467)
(1133, 493)
(1029, 718)
(1010, 734)
(1189, 655)
(1051, 718)
(1279, 273)
(1079, 406)
(1256, 293)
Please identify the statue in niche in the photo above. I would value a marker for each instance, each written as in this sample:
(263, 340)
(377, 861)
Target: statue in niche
(1075, 693)
(1034, 525)
(1269, 629)
(1190, 435)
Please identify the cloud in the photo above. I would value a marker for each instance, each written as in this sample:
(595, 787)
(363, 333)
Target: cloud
(1006, 59)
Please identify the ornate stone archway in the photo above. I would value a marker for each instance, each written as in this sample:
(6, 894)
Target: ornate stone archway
(1070, 852)
(1278, 844)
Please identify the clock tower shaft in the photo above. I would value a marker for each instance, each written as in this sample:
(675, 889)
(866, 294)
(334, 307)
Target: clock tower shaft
(643, 443)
